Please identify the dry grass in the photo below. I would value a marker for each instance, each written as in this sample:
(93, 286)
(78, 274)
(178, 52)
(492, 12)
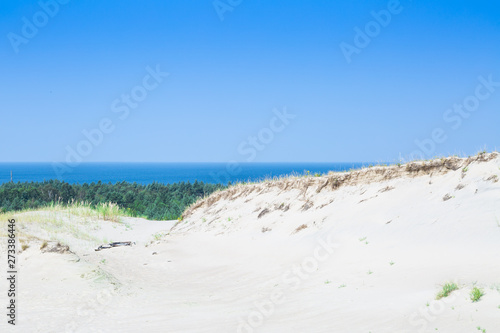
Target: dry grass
(335, 180)
(56, 248)
(299, 228)
(57, 222)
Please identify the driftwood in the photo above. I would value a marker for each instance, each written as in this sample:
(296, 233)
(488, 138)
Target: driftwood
(114, 244)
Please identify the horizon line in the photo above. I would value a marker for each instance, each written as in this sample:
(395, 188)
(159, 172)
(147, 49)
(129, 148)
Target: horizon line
(182, 162)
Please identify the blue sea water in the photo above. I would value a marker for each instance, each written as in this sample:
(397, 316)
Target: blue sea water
(167, 173)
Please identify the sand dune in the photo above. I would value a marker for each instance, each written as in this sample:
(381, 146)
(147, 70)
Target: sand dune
(364, 251)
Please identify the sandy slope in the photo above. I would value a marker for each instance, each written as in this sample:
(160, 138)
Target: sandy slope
(367, 252)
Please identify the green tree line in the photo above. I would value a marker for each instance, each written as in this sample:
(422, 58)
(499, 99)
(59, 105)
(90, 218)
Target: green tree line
(154, 201)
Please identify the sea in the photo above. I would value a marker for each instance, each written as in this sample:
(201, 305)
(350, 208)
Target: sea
(165, 173)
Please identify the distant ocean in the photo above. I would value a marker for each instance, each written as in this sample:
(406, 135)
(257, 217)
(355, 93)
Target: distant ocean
(167, 173)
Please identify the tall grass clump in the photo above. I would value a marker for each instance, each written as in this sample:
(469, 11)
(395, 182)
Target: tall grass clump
(109, 212)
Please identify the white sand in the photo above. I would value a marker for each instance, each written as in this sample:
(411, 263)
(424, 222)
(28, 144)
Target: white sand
(217, 271)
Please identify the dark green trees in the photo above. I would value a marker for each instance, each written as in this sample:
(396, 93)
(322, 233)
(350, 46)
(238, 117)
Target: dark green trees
(154, 201)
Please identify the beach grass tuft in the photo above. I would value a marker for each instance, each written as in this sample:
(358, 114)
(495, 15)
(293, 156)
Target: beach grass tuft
(476, 294)
(448, 288)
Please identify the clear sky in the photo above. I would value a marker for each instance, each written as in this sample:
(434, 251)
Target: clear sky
(350, 80)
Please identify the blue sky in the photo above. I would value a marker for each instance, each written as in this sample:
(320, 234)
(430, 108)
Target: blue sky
(227, 80)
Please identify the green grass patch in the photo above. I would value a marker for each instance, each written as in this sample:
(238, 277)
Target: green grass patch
(448, 288)
(476, 294)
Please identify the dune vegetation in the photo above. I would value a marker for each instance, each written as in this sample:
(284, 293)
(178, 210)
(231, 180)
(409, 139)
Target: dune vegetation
(153, 201)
